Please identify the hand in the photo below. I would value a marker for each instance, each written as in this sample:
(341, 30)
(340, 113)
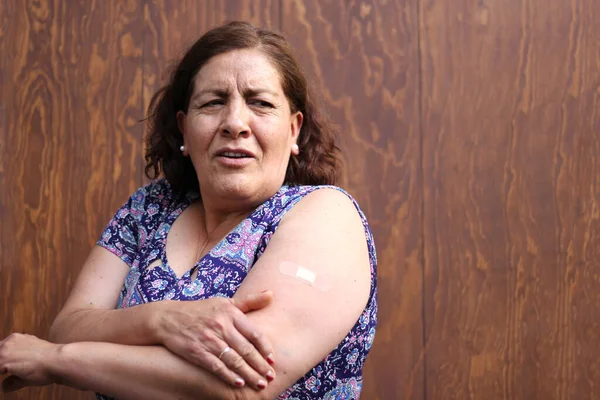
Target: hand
(200, 331)
(26, 358)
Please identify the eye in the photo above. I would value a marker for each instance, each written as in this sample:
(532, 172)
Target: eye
(213, 103)
(261, 103)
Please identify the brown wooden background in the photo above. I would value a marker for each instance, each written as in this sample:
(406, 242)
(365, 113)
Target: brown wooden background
(471, 132)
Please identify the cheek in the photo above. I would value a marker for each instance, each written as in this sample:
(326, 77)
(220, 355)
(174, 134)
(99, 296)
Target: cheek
(274, 146)
(276, 140)
(201, 133)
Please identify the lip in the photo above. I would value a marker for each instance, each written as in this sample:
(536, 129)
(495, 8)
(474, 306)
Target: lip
(234, 162)
(233, 150)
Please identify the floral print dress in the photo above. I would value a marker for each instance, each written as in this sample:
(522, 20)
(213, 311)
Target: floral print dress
(138, 232)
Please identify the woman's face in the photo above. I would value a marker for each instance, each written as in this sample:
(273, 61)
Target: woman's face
(239, 131)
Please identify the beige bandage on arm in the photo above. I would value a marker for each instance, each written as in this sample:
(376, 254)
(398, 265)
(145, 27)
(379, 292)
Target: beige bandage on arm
(305, 275)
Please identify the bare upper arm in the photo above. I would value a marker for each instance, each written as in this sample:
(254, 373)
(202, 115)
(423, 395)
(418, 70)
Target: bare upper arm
(324, 234)
(99, 283)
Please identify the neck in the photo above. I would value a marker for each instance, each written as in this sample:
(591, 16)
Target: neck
(217, 218)
(219, 209)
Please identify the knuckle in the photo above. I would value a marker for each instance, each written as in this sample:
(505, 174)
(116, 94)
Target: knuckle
(217, 324)
(13, 336)
(246, 350)
(223, 304)
(202, 333)
(204, 360)
(231, 309)
(196, 350)
(216, 367)
(220, 324)
(212, 342)
(237, 363)
(257, 335)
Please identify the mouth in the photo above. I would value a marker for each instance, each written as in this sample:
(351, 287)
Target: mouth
(234, 158)
(234, 154)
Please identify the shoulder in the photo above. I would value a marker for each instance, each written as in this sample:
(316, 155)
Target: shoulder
(158, 189)
(328, 196)
(146, 204)
(323, 195)
(157, 193)
(327, 223)
(325, 205)
(323, 218)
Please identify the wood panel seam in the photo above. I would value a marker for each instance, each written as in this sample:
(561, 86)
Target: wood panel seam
(422, 192)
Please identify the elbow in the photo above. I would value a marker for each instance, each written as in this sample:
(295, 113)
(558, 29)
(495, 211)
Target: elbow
(55, 333)
(60, 328)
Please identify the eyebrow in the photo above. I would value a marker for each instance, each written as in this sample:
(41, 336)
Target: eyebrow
(216, 92)
(225, 93)
(256, 92)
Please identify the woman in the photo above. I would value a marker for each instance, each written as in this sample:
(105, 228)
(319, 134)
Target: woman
(246, 276)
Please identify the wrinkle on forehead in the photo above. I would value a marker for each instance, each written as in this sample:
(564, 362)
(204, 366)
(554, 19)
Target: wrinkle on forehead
(240, 71)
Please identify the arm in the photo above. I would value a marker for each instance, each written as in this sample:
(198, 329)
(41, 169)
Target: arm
(89, 313)
(144, 373)
(191, 330)
(322, 232)
(125, 372)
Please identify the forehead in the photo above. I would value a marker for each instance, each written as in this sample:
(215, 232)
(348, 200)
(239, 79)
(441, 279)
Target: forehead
(243, 69)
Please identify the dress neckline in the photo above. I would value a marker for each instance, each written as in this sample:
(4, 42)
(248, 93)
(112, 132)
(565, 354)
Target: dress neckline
(176, 213)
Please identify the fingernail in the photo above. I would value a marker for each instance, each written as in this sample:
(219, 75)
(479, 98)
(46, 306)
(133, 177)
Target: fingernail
(270, 359)
(270, 375)
(239, 382)
(261, 384)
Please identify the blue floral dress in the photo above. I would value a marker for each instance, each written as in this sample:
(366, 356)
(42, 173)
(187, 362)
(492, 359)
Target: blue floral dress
(138, 232)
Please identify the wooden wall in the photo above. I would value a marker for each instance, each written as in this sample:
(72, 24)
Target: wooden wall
(471, 133)
(511, 176)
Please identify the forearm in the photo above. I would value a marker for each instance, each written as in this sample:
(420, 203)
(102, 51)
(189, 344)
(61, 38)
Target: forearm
(130, 326)
(138, 372)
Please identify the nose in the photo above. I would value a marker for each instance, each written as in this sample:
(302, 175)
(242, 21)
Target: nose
(235, 121)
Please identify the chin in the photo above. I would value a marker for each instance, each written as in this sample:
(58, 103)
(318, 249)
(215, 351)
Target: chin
(245, 189)
(236, 188)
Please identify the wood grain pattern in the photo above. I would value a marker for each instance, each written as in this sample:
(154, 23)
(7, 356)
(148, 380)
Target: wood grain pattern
(72, 94)
(3, 65)
(511, 111)
(363, 59)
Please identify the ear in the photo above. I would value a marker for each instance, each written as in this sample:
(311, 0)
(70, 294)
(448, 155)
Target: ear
(181, 117)
(296, 120)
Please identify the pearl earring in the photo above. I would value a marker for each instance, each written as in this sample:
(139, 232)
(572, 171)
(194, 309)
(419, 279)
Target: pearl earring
(295, 149)
(182, 148)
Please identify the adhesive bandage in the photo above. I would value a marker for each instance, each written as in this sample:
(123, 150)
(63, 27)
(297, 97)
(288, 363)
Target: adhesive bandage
(305, 275)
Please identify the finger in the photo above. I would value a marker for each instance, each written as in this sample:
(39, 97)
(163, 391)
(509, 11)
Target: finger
(205, 358)
(255, 336)
(234, 362)
(254, 302)
(219, 368)
(13, 383)
(255, 360)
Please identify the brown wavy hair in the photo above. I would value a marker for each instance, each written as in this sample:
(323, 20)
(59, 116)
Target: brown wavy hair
(318, 162)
